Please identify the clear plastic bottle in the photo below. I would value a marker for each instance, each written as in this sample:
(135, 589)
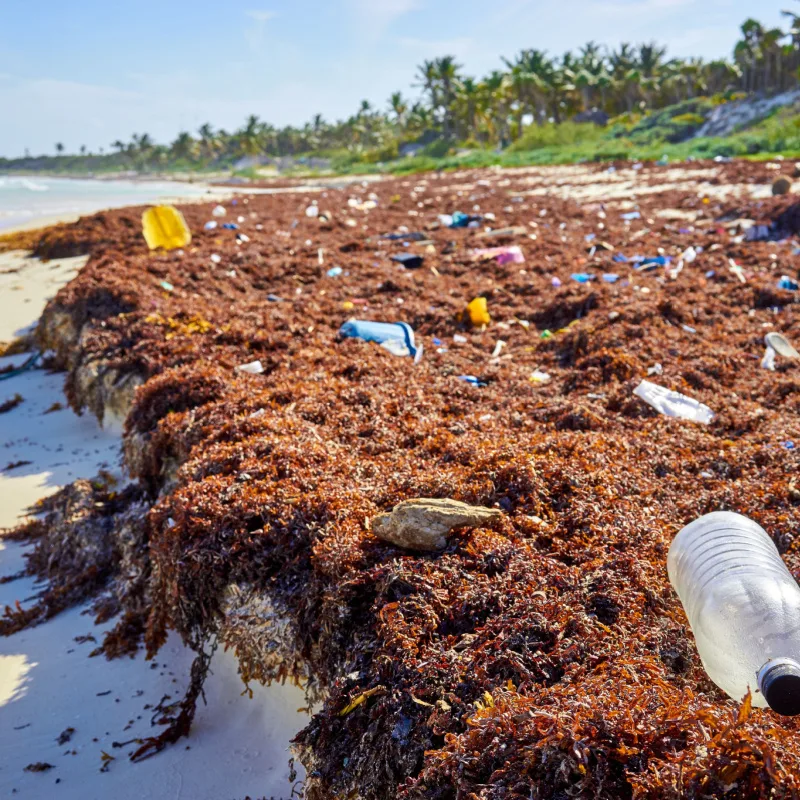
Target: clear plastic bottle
(744, 608)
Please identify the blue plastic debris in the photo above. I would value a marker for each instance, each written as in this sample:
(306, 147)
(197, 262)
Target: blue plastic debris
(659, 261)
(787, 283)
(619, 258)
(789, 445)
(610, 277)
(437, 342)
(631, 215)
(582, 277)
(590, 237)
(334, 272)
(396, 337)
(556, 282)
(472, 380)
(408, 260)
(710, 274)
(230, 226)
(166, 286)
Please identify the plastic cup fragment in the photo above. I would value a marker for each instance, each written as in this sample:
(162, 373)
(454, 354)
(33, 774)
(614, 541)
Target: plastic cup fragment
(673, 404)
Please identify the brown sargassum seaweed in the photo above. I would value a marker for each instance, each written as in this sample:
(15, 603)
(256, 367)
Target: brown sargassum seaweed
(546, 657)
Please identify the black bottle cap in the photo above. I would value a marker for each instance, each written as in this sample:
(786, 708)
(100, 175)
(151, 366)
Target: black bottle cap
(780, 685)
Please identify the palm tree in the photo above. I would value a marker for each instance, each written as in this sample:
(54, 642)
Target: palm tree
(59, 148)
(399, 106)
(209, 142)
(184, 146)
(249, 137)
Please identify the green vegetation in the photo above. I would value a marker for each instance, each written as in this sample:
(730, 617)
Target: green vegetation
(538, 110)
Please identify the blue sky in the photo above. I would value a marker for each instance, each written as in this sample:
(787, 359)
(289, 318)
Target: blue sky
(91, 71)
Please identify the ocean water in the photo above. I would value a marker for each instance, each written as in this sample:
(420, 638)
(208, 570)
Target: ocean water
(25, 199)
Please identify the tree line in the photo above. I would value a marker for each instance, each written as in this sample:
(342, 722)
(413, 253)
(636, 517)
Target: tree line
(532, 88)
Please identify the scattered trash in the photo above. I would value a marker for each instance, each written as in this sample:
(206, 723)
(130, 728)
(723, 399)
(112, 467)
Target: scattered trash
(745, 618)
(471, 379)
(312, 211)
(537, 376)
(781, 345)
(497, 233)
(789, 445)
(252, 368)
(555, 282)
(736, 270)
(459, 339)
(273, 298)
(610, 277)
(652, 261)
(407, 237)
(582, 277)
(478, 312)
(787, 283)
(215, 259)
(165, 227)
(242, 237)
(502, 255)
(656, 369)
(230, 226)
(777, 344)
(498, 348)
(334, 272)
(396, 337)
(619, 258)
(408, 260)
(546, 334)
(631, 215)
(423, 524)
(218, 211)
(166, 286)
(210, 225)
(673, 404)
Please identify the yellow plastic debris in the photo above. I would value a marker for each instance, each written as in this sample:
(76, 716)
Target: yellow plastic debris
(164, 226)
(478, 312)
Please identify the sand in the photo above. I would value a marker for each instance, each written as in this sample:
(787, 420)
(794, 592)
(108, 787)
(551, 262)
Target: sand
(49, 684)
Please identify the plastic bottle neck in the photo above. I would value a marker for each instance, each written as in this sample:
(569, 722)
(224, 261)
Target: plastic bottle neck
(779, 683)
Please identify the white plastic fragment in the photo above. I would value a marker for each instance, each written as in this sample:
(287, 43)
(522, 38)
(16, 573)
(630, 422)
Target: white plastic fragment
(219, 211)
(673, 404)
(768, 362)
(253, 368)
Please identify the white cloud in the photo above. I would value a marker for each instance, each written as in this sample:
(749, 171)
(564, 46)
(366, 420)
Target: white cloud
(261, 16)
(374, 17)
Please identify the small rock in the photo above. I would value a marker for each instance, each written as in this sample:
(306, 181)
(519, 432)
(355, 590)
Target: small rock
(423, 524)
(781, 185)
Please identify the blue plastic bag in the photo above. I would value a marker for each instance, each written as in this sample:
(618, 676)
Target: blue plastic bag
(396, 337)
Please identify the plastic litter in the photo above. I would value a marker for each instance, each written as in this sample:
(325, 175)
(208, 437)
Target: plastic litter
(396, 337)
(312, 211)
(498, 348)
(218, 211)
(781, 345)
(416, 236)
(164, 226)
(252, 368)
(502, 255)
(631, 215)
(673, 404)
(472, 380)
(555, 282)
(459, 339)
(618, 258)
(215, 258)
(334, 272)
(230, 226)
(166, 286)
(610, 277)
(408, 260)
(743, 605)
(537, 376)
(582, 277)
(478, 312)
(736, 270)
(210, 225)
(787, 283)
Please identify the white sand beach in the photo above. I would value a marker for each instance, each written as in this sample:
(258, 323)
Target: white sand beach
(48, 683)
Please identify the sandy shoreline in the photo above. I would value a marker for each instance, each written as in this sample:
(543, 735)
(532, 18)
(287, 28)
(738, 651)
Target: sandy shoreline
(48, 684)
